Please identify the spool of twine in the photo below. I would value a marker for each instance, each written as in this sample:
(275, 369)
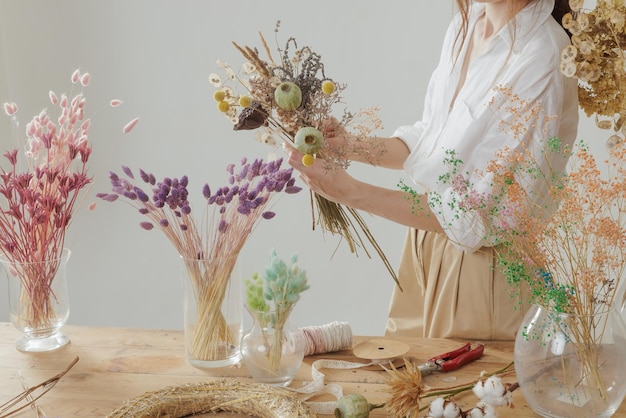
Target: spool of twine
(327, 338)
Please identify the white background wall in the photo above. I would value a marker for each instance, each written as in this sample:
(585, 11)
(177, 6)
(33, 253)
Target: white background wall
(156, 55)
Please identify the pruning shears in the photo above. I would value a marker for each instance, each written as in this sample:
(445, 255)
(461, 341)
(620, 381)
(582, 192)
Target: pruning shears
(452, 360)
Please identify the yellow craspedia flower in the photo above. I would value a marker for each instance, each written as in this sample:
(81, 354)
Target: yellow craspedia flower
(245, 101)
(223, 106)
(328, 87)
(219, 95)
(308, 160)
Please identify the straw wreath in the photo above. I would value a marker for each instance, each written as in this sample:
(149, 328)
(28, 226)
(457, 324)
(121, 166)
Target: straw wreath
(222, 395)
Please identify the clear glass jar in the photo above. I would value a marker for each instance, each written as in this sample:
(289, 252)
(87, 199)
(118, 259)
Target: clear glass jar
(273, 348)
(213, 311)
(39, 302)
(571, 365)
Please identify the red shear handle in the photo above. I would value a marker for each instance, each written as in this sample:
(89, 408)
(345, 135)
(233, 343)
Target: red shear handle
(464, 355)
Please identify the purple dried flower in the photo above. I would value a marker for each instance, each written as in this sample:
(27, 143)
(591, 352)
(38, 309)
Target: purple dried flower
(164, 223)
(141, 195)
(186, 209)
(144, 176)
(108, 197)
(183, 227)
(146, 225)
(206, 191)
(268, 215)
(223, 225)
(128, 172)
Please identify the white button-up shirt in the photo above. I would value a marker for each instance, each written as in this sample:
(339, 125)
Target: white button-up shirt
(528, 62)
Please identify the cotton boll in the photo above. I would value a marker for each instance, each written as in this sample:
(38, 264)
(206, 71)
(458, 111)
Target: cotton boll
(492, 392)
(436, 408)
(451, 410)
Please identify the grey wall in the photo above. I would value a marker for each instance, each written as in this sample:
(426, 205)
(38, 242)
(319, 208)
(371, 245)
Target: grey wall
(156, 55)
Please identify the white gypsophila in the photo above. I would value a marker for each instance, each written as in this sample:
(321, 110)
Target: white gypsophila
(492, 392)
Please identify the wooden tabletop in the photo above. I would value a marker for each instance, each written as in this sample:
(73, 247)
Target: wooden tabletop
(117, 364)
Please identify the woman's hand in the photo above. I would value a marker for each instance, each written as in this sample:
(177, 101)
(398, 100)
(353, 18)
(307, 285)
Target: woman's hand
(334, 184)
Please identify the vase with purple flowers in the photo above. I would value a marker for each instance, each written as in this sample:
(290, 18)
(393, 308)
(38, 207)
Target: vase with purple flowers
(209, 250)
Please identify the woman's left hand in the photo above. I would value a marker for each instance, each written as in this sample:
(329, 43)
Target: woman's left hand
(335, 184)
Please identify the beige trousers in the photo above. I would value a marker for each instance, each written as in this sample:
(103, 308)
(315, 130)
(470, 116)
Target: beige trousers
(448, 293)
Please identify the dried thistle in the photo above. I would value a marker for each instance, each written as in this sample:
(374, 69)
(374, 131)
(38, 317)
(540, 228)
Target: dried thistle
(407, 389)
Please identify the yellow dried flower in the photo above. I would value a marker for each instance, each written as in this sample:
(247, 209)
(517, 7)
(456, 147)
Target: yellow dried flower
(308, 160)
(223, 106)
(219, 95)
(328, 87)
(245, 101)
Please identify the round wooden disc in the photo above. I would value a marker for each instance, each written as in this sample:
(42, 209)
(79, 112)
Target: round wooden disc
(380, 349)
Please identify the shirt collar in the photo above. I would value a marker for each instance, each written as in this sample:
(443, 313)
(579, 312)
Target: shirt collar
(533, 15)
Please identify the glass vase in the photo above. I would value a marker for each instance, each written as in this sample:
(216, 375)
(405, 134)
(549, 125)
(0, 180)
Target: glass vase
(213, 311)
(571, 365)
(38, 301)
(273, 348)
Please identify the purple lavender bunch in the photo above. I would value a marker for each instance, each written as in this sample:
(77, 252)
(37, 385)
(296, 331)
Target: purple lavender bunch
(236, 207)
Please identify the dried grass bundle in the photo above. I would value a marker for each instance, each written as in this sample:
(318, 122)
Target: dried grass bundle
(224, 395)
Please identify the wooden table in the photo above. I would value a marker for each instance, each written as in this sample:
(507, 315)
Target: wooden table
(117, 364)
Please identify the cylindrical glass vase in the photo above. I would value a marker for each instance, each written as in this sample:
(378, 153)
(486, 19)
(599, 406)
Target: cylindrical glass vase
(213, 311)
(273, 348)
(38, 301)
(571, 365)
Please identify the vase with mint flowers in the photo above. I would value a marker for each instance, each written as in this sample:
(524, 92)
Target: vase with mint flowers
(274, 347)
(208, 247)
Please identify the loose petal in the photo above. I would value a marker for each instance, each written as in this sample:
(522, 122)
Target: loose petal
(130, 125)
(116, 102)
(75, 76)
(92, 206)
(9, 109)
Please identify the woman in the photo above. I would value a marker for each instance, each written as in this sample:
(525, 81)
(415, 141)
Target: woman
(449, 285)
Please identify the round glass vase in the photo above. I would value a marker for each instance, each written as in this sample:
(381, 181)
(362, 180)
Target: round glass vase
(273, 348)
(38, 301)
(571, 365)
(213, 311)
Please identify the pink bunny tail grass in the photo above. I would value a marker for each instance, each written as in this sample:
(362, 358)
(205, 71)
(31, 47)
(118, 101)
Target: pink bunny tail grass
(75, 76)
(84, 79)
(130, 125)
(53, 97)
(10, 108)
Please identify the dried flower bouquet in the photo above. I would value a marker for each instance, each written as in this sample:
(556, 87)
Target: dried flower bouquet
(291, 99)
(208, 246)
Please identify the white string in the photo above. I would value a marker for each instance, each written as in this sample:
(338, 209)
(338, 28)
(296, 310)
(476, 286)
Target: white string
(327, 338)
